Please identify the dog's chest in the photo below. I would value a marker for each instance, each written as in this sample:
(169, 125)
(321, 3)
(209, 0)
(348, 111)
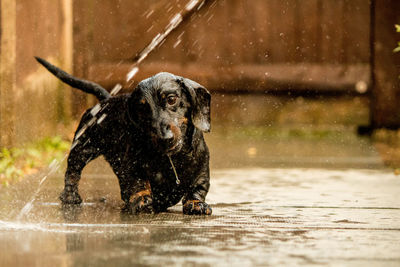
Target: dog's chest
(167, 187)
(166, 191)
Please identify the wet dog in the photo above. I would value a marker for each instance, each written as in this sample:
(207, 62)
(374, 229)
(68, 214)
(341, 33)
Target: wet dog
(152, 138)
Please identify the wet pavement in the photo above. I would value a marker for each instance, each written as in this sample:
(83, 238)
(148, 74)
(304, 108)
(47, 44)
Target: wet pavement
(278, 199)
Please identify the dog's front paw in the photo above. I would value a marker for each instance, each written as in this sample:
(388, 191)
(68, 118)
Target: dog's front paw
(140, 202)
(196, 207)
(70, 196)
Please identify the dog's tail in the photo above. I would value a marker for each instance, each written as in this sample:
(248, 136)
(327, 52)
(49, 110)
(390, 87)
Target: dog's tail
(84, 85)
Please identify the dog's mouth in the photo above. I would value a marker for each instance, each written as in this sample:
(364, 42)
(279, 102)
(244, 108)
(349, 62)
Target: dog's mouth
(167, 146)
(171, 147)
(168, 140)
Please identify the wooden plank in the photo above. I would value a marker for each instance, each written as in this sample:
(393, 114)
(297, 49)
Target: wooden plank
(247, 31)
(289, 29)
(82, 48)
(223, 28)
(7, 71)
(355, 42)
(262, 26)
(308, 30)
(249, 77)
(385, 110)
(235, 31)
(277, 44)
(283, 31)
(66, 53)
(332, 31)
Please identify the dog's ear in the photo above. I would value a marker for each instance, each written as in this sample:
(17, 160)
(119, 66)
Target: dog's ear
(200, 100)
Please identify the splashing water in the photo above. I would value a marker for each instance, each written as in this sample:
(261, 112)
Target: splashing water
(157, 41)
(53, 167)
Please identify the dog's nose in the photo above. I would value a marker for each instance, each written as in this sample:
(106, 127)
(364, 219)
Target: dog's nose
(167, 136)
(167, 133)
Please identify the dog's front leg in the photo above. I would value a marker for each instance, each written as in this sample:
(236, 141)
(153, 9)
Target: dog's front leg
(139, 199)
(194, 202)
(79, 156)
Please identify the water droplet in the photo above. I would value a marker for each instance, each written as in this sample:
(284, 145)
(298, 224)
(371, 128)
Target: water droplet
(361, 87)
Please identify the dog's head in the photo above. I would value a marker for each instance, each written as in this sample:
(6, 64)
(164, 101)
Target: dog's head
(169, 108)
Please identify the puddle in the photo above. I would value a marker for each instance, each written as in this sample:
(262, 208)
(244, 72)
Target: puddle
(253, 222)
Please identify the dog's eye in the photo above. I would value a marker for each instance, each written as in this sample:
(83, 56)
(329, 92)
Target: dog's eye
(171, 100)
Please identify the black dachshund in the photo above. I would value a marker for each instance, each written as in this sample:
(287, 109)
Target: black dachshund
(152, 138)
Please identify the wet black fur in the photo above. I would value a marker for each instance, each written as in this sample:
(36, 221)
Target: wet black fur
(135, 133)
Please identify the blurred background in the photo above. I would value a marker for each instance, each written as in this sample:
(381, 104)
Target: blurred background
(292, 81)
(305, 118)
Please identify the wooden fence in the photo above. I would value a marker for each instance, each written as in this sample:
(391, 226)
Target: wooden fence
(32, 103)
(257, 45)
(231, 44)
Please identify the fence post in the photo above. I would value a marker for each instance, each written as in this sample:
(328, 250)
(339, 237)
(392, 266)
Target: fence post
(7, 72)
(385, 100)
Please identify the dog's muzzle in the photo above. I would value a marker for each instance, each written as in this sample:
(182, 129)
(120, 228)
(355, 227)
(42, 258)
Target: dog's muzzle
(168, 139)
